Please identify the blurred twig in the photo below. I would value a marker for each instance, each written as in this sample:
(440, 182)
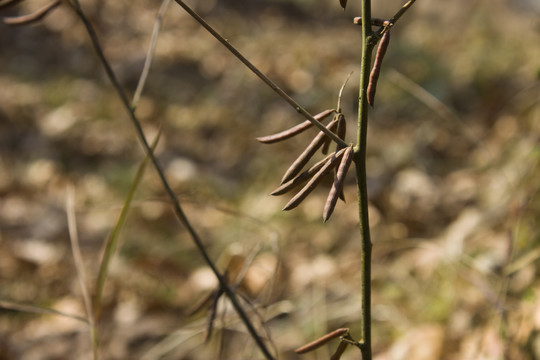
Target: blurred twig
(176, 204)
(424, 96)
(150, 53)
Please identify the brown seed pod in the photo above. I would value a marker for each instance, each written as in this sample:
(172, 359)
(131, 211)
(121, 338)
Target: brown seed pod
(33, 17)
(337, 187)
(339, 351)
(300, 179)
(341, 132)
(375, 71)
(341, 127)
(314, 181)
(327, 140)
(321, 341)
(6, 4)
(295, 130)
(307, 154)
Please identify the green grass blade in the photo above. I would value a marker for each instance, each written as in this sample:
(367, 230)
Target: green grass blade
(112, 240)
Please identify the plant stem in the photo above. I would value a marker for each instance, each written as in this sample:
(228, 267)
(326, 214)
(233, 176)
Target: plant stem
(368, 43)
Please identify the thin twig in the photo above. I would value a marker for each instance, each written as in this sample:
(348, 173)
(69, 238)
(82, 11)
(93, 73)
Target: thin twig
(257, 72)
(397, 16)
(179, 212)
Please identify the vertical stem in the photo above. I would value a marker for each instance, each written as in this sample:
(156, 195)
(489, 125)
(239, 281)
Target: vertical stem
(368, 43)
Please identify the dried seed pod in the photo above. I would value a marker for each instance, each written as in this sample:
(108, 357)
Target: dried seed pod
(33, 17)
(341, 132)
(300, 179)
(321, 341)
(375, 71)
(337, 187)
(341, 127)
(289, 133)
(314, 181)
(327, 140)
(339, 351)
(302, 160)
(6, 4)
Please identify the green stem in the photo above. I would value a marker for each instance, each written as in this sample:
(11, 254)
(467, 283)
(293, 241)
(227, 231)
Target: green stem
(368, 43)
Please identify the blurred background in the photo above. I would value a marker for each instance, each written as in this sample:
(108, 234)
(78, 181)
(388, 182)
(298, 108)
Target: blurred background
(453, 169)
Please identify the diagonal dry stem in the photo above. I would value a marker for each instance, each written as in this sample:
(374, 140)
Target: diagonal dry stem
(178, 210)
(257, 72)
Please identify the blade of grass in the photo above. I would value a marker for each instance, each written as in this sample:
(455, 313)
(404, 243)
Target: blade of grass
(35, 309)
(112, 241)
(79, 265)
(150, 53)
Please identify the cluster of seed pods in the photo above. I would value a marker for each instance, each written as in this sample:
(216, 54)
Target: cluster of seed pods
(338, 161)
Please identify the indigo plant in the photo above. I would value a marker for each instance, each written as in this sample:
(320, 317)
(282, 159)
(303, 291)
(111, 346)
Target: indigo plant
(337, 157)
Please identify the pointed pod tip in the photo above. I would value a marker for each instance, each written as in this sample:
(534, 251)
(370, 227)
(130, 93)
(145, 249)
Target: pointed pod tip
(326, 214)
(291, 205)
